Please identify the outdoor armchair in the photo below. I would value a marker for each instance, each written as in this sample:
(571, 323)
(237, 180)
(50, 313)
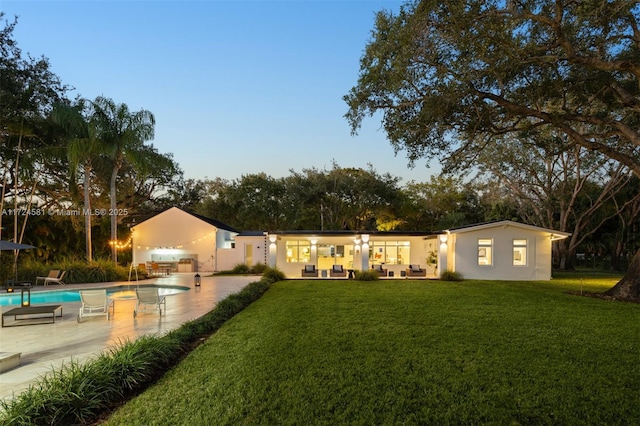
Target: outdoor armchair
(309, 271)
(416, 271)
(338, 271)
(381, 272)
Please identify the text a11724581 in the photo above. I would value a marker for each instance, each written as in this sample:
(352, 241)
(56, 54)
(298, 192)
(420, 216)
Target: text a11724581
(64, 212)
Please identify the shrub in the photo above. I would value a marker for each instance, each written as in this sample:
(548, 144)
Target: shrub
(368, 275)
(258, 268)
(448, 275)
(273, 274)
(77, 270)
(240, 268)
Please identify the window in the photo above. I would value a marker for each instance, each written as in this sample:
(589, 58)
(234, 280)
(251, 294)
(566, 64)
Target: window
(330, 254)
(519, 252)
(390, 252)
(298, 251)
(485, 251)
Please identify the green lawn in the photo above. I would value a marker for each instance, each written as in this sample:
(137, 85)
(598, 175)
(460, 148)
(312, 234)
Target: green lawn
(410, 352)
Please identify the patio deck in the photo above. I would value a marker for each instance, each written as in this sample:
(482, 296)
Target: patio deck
(47, 346)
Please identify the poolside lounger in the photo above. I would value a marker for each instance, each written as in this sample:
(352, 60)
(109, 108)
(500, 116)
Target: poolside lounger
(95, 303)
(53, 274)
(57, 280)
(148, 297)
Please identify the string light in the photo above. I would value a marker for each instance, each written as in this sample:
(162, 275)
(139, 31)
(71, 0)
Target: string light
(121, 245)
(180, 245)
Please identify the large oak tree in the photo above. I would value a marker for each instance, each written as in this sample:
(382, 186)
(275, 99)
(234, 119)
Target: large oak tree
(450, 77)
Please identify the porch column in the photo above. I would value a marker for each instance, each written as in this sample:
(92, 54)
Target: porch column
(442, 254)
(314, 252)
(364, 265)
(273, 251)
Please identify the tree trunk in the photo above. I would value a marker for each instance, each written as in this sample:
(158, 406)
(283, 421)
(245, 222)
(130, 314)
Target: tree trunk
(87, 213)
(114, 223)
(628, 288)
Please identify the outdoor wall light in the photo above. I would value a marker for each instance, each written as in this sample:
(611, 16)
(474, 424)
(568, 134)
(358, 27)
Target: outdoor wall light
(365, 238)
(273, 238)
(25, 301)
(443, 238)
(197, 280)
(314, 242)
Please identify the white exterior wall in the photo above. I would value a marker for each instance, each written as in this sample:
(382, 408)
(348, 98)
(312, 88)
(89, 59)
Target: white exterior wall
(463, 250)
(248, 250)
(175, 234)
(358, 255)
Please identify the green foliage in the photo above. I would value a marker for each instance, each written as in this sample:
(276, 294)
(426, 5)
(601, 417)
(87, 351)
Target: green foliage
(349, 198)
(244, 269)
(77, 271)
(446, 79)
(367, 275)
(449, 275)
(442, 202)
(78, 393)
(273, 274)
(241, 268)
(259, 268)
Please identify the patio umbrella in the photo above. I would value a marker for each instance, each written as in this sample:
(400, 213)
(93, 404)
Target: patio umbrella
(10, 245)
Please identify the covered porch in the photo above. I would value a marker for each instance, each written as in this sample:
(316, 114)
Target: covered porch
(295, 252)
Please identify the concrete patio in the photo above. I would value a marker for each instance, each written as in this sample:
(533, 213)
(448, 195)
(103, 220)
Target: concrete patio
(47, 346)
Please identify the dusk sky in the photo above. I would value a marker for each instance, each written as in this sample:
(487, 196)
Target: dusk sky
(236, 87)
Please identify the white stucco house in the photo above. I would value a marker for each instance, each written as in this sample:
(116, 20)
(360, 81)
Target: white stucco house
(501, 250)
(184, 242)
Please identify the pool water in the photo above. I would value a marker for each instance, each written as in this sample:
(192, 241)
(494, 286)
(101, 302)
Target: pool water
(68, 296)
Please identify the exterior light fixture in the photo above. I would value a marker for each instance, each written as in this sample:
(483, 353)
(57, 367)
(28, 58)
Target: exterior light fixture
(443, 238)
(197, 281)
(25, 297)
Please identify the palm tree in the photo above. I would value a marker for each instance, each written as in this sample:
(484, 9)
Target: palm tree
(124, 134)
(82, 148)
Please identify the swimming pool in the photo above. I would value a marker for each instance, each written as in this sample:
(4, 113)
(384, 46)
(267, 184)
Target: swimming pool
(120, 292)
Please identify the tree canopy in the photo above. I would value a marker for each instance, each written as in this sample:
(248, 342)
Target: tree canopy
(451, 78)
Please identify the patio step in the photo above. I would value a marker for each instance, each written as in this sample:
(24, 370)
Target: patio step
(9, 360)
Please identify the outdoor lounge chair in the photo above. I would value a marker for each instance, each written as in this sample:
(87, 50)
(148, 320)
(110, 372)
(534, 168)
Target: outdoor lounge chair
(57, 280)
(148, 297)
(54, 273)
(416, 271)
(337, 271)
(309, 271)
(381, 272)
(95, 303)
